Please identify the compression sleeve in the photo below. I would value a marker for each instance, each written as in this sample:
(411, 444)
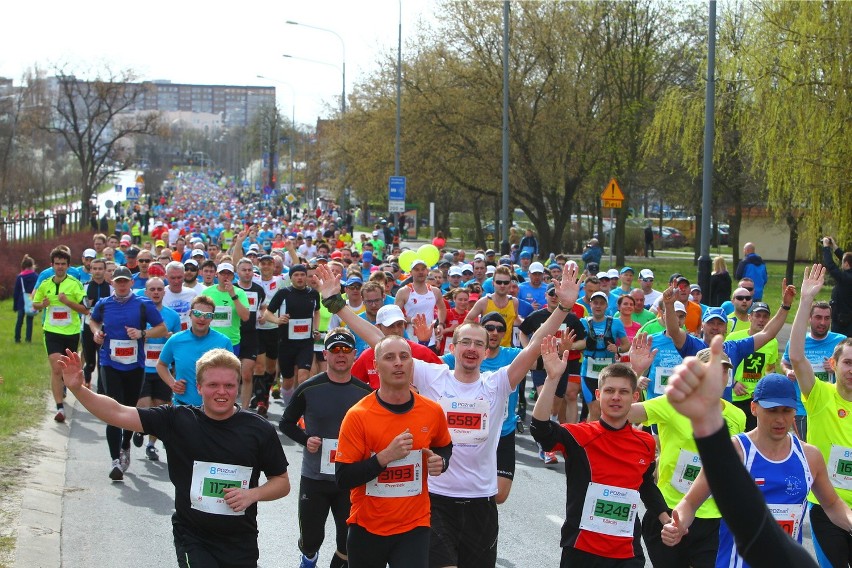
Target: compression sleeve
(445, 452)
(349, 475)
(760, 540)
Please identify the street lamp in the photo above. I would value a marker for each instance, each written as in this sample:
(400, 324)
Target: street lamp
(343, 50)
(292, 119)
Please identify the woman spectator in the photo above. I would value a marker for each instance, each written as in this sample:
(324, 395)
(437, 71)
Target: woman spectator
(625, 314)
(720, 283)
(439, 240)
(21, 303)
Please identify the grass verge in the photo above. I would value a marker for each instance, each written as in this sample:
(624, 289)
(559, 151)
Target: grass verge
(24, 382)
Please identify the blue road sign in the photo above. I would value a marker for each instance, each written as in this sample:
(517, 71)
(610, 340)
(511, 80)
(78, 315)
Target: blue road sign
(132, 193)
(396, 188)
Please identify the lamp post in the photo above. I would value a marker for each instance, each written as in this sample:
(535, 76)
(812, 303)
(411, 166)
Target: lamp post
(292, 118)
(343, 89)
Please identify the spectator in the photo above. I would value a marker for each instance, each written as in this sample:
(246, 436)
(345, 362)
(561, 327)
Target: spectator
(529, 243)
(22, 299)
(841, 295)
(592, 253)
(720, 283)
(752, 266)
(439, 240)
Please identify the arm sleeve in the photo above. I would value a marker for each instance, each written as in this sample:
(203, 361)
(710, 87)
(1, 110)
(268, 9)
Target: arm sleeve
(650, 493)
(289, 419)
(760, 541)
(445, 452)
(349, 475)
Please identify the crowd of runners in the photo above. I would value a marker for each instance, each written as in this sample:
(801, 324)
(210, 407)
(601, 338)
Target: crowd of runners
(405, 378)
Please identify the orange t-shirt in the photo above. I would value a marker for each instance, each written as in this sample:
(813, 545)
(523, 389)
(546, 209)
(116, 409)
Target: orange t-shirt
(367, 429)
(693, 317)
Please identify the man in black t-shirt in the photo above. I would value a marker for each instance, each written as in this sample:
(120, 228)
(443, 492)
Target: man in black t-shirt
(298, 326)
(216, 453)
(256, 296)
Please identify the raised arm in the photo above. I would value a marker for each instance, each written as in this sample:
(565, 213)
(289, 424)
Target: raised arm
(811, 285)
(672, 324)
(328, 285)
(788, 294)
(103, 407)
(567, 290)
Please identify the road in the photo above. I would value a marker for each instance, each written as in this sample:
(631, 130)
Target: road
(129, 522)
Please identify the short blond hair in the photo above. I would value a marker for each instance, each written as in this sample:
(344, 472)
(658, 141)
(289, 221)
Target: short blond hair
(216, 359)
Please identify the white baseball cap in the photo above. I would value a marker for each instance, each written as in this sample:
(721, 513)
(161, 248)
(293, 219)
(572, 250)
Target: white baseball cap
(536, 267)
(612, 273)
(646, 273)
(389, 315)
(679, 307)
(454, 271)
(417, 261)
(225, 266)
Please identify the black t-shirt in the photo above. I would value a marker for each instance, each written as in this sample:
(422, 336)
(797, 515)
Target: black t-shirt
(298, 304)
(95, 292)
(535, 320)
(256, 297)
(323, 403)
(244, 439)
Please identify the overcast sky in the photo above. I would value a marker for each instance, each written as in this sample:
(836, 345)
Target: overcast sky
(188, 41)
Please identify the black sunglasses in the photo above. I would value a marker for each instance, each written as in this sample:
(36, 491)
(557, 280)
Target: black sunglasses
(502, 282)
(742, 298)
(499, 328)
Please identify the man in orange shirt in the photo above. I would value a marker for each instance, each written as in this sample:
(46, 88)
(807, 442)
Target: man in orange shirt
(387, 442)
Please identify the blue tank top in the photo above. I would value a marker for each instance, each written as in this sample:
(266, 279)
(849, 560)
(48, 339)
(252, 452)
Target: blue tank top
(784, 484)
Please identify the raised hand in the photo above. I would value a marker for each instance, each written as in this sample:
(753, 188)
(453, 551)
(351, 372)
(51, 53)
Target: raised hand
(72, 369)
(641, 353)
(788, 293)
(673, 531)
(812, 281)
(422, 330)
(568, 289)
(328, 283)
(553, 363)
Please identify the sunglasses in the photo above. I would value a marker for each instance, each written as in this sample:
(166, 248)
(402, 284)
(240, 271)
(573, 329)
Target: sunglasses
(502, 282)
(647, 280)
(552, 293)
(695, 291)
(341, 349)
(749, 289)
(145, 260)
(490, 328)
(356, 286)
(200, 314)
(191, 268)
(742, 298)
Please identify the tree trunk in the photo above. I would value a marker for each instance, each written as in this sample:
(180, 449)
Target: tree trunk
(792, 243)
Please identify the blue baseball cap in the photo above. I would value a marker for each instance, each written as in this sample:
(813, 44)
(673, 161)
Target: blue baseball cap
(715, 313)
(526, 254)
(353, 280)
(775, 390)
(627, 268)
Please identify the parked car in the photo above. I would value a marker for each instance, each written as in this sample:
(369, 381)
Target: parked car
(669, 237)
(724, 234)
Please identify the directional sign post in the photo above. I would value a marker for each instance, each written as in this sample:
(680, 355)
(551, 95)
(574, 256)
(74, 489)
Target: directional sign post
(612, 198)
(396, 194)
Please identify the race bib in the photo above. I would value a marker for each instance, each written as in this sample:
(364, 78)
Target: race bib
(222, 316)
(319, 344)
(467, 419)
(661, 379)
(595, 366)
(252, 301)
(610, 510)
(401, 478)
(152, 353)
(840, 467)
(124, 351)
(329, 450)
(686, 470)
(60, 315)
(824, 376)
(300, 329)
(209, 481)
(788, 516)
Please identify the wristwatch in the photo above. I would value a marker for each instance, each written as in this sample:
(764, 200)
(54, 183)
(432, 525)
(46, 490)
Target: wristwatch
(144, 333)
(235, 297)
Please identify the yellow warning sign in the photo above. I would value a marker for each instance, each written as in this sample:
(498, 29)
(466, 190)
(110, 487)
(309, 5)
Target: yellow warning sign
(612, 203)
(612, 192)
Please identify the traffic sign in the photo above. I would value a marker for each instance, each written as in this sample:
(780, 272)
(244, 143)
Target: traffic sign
(396, 206)
(612, 193)
(612, 203)
(132, 193)
(396, 188)
(290, 198)
(118, 188)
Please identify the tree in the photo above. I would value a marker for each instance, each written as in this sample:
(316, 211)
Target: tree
(96, 119)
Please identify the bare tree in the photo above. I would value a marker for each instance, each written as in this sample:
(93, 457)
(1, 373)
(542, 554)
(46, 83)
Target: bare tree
(96, 119)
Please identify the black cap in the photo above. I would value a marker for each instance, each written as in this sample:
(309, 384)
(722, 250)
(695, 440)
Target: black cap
(132, 252)
(340, 338)
(266, 257)
(122, 272)
(493, 317)
(593, 267)
(298, 268)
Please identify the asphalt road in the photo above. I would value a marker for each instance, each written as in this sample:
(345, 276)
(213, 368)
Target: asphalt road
(128, 523)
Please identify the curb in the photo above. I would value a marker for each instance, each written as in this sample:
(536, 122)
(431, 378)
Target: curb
(39, 531)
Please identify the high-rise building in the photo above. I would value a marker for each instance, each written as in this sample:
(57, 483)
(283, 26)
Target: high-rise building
(237, 105)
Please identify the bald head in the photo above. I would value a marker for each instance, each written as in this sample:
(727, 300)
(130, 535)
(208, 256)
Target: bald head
(748, 248)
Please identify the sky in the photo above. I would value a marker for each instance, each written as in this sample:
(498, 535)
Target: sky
(188, 41)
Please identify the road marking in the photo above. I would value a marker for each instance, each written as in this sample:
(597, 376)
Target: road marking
(555, 519)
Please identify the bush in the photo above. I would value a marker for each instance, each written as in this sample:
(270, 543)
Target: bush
(13, 252)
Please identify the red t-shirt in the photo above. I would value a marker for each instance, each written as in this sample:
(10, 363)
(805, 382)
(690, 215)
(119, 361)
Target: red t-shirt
(364, 368)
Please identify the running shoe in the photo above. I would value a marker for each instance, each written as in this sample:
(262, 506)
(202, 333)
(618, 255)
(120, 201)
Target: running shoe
(520, 425)
(138, 439)
(550, 458)
(116, 474)
(152, 453)
(262, 409)
(276, 391)
(307, 562)
(124, 459)
(60, 416)
(533, 395)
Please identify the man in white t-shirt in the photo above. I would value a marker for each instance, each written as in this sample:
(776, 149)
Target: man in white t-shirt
(464, 508)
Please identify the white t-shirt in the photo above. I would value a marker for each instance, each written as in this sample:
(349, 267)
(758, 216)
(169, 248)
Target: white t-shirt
(180, 303)
(473, 466)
